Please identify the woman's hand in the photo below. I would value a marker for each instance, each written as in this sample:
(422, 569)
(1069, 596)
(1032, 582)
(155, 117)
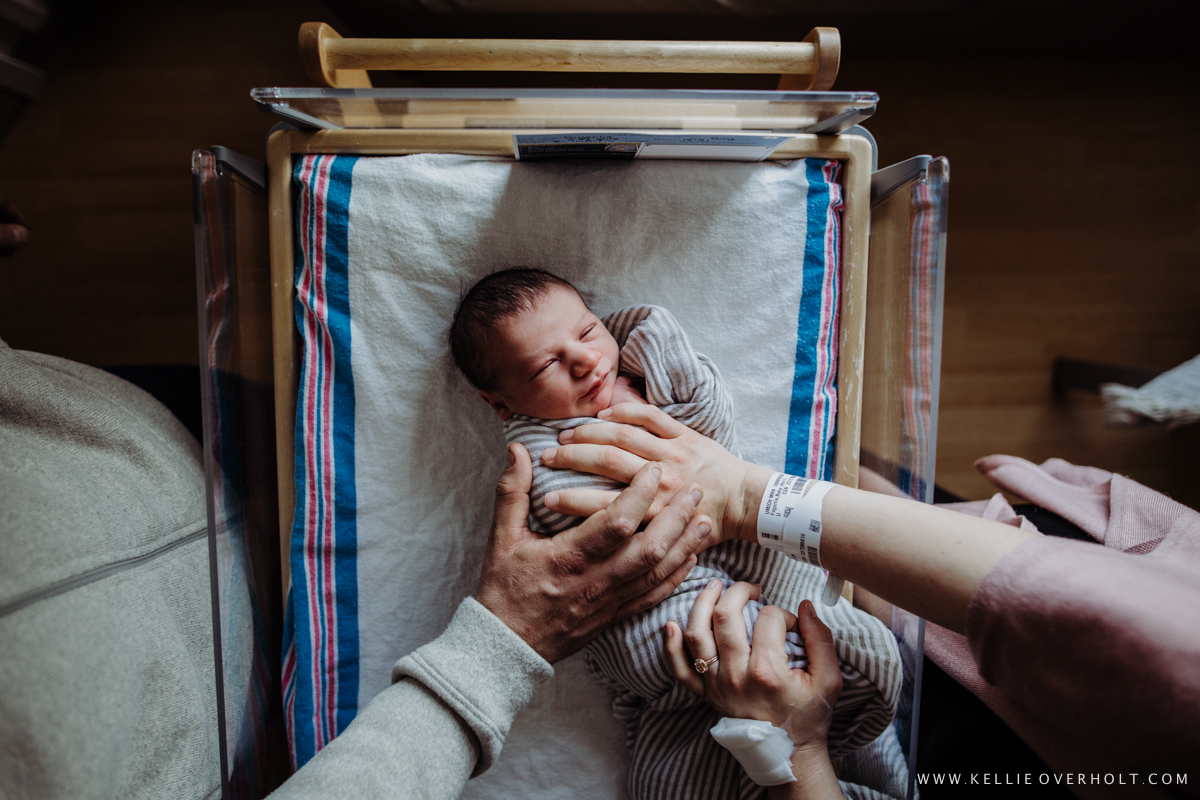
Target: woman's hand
(754, 681)
(732, 487)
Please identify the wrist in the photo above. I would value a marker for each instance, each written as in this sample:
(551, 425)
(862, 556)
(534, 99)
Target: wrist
(743, 521)
(814, 770)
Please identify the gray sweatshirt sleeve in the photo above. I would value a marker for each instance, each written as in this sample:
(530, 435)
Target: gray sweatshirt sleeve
(442, 721)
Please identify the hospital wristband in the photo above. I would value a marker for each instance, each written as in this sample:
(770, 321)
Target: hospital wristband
(789, 519)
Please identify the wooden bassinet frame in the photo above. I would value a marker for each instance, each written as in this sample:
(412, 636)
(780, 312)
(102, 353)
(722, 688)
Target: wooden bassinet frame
(804, 65)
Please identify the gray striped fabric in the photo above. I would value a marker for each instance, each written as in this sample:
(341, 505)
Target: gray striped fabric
(878, 771)
(673, 755)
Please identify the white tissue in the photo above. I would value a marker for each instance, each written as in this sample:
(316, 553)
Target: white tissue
(762, 749)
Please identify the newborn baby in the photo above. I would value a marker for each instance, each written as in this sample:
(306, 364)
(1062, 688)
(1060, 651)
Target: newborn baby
(545, 363)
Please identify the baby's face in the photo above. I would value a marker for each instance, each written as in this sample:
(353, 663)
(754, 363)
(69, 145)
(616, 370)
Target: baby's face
(554, 361)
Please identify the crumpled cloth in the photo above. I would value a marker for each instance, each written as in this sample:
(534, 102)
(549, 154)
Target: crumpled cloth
(1090, 653)
(1173, 398)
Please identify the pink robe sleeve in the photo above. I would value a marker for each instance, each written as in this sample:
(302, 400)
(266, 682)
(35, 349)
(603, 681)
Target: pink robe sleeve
(1102, 645)
(1089, 652)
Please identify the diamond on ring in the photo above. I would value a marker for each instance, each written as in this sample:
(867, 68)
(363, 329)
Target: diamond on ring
(703, 666)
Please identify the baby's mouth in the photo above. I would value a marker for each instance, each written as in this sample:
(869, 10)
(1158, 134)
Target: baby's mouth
(596, 387)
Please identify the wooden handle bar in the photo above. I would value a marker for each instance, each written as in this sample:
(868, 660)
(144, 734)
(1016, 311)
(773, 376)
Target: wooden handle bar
(342, 63)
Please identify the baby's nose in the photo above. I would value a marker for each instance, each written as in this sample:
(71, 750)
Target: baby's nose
(585, 362)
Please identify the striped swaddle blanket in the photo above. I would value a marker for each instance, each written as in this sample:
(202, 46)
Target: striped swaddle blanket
(667, 726)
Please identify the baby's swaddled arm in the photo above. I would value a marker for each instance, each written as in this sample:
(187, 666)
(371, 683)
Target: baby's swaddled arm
(537, 435)
(680, 381)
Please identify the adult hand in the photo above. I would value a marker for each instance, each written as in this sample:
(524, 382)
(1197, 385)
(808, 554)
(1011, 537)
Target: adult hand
(14, 228)
(731, 487)
(557, 593)
(753, 681)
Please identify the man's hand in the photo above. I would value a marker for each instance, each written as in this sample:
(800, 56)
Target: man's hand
(558, 593)
(14, 228)
(732, 488)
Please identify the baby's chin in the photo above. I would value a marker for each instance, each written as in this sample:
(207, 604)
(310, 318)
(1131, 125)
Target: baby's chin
(603, 398)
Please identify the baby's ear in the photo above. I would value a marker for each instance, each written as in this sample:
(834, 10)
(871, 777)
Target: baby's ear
(497, 404)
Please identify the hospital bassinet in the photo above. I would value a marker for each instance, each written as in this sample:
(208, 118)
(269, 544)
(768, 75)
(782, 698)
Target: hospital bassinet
(247, 239)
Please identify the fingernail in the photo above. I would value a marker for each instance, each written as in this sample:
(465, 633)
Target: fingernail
(512, 459)
(551, 499)
(548, 455)
(713, 584)
(807, 609)
(670, 631)
(566, 435)
(696, 495)
(605, 413)
(655, 474)
(703, 530)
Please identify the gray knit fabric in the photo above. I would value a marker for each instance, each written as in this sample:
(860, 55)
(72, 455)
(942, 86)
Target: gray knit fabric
(106, 649)
(667, 725)
(443, 720)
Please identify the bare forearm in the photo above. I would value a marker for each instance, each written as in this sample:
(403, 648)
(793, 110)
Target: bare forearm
(924, 559)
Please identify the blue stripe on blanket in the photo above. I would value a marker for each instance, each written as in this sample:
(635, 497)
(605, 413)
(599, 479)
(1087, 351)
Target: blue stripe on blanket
(321, 653)
(814, 385)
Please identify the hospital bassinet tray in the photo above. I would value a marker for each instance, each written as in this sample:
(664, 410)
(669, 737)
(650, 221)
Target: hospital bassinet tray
(889, 346)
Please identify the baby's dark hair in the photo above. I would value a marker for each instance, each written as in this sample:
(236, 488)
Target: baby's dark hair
(486, 304)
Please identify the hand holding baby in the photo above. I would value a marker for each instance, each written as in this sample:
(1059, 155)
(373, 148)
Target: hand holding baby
(558, 593)
(754, 681)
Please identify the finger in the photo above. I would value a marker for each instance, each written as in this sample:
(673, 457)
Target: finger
(13, 236)
(605, 531)
(767, 653)
(822, 657)
(677, 660)
(511, 514)
(729, 626)
(654, 553)
(626, 437)
(610, 462)
(683, 548)
(652, 418)
(580, 502)
(656, 594)
(698, 634)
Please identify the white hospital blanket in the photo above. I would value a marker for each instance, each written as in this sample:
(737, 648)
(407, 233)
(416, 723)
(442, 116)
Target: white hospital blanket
(721, 244)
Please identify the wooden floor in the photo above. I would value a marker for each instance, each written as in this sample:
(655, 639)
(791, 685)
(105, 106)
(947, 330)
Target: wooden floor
(1074, 202)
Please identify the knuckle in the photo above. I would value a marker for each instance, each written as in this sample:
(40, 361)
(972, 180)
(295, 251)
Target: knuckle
(623, 526)
(770, 614)
(593, 592)
(610, 460)
(654, 554)
(762, 674)
(693, 639)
